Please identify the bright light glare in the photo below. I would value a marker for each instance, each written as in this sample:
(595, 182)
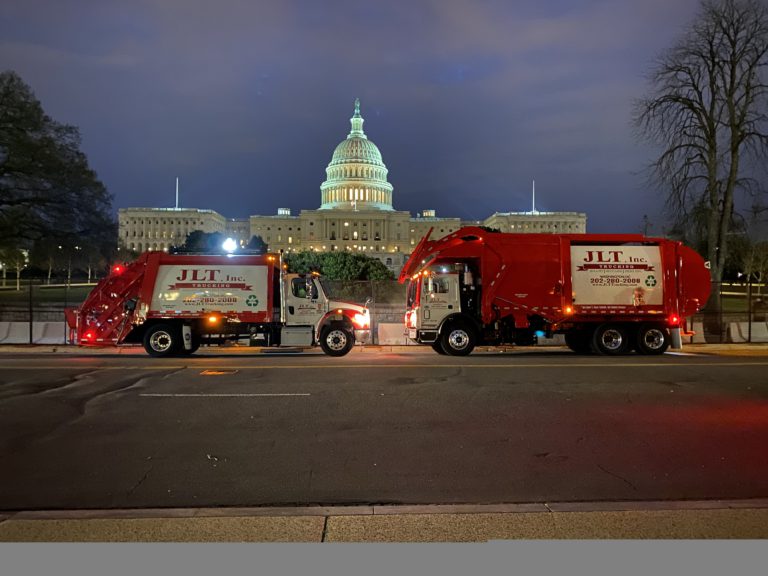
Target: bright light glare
(229, 245)
(362, 320)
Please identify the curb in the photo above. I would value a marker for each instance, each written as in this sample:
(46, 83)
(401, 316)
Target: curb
(386, 509)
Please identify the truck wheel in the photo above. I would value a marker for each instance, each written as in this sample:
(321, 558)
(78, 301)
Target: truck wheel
(162, 340)
(457, 339)
(336, 341)
(610, 339)
(580, 341)
(652, 340)
(438, 347)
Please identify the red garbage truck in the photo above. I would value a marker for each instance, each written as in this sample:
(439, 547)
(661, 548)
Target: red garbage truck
(606, 293)
(173, 303)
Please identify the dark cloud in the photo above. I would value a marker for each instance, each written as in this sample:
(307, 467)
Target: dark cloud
(245, 101)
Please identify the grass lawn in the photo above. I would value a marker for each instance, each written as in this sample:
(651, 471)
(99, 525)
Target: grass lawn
(43, 294)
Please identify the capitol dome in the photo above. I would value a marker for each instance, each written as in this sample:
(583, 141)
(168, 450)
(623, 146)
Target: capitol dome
(356, 178)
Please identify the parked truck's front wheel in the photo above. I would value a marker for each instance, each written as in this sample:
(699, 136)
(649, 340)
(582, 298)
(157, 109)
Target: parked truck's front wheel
(336, 340)
(457, 339)
(162, 340)
(652, 340)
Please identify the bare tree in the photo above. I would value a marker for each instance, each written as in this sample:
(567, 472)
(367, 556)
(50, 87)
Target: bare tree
(47, 188)
(13, 258)
(707, 109)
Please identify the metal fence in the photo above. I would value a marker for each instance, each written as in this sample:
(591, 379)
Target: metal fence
(736, 312)
(32, 311)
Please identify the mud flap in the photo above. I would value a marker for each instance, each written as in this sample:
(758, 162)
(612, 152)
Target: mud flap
(676, 341)
(186, 336)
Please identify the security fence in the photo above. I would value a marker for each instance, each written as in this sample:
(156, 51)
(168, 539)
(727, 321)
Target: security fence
(32, 311)
(736, 312)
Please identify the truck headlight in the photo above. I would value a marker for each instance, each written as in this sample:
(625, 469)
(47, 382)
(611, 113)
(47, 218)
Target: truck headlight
(362, 320)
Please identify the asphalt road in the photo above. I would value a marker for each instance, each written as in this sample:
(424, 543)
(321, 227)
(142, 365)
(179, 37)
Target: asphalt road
(239, 429)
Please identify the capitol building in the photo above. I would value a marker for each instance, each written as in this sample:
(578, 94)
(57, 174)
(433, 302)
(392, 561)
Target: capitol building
(356, 213)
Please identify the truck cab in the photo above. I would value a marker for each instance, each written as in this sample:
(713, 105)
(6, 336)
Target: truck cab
(311, 315)
(441, 295)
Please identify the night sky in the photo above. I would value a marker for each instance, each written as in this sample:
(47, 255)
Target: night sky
(245, 101)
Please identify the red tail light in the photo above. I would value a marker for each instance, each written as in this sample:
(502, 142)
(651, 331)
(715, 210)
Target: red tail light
(117, 269)
(88, 336)
(674, 320)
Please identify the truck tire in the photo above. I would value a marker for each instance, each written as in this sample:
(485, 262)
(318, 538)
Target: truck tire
(162, 340)
(652, 339)
(457, 339)
(610, 339)
(580, 341)
(336, 340)
(438, 347)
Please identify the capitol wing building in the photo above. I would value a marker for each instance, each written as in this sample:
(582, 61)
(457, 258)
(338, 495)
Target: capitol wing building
(356, 214)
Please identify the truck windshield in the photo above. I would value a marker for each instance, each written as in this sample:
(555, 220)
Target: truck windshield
(411, 296)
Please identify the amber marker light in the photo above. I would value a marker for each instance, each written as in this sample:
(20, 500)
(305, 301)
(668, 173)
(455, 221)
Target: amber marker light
(213, 319)
(568, 310)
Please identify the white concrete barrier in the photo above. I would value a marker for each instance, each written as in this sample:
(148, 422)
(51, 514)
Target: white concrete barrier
(15, 333)
(698, 337)
(51, 333)
(739, 332)
(42, 332)
(392, 334)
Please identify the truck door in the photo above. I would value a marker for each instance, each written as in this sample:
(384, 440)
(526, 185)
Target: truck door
(302, 303)
(439, 298)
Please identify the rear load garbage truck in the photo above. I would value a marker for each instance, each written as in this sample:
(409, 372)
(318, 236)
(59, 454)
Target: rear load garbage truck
(174, 303)
(606, 293)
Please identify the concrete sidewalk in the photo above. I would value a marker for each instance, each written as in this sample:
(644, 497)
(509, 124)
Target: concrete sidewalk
(715, 519)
